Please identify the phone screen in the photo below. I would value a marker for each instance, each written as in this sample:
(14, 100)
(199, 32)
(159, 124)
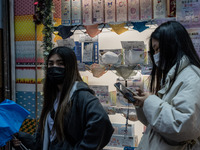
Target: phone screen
(126, 93)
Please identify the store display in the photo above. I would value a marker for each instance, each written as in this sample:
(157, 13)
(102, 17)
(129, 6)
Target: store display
(171, 8)
(118, 28)
(26, 97)
(25, 29)
(23, 7)
(102, 93)
(111, 57)
(146, 10)
(121, 10)
(187, 12)
(195, 36)
(87, 12)
(133, 10)
(110, 12)
(64, 31)
(69, 42)
(76, 12)
(123, 135)
(98, 11)
(57, 22)
(66, 12)
(128, 45)
(134, 52)
(159, 9)
(120, 141)
(57, 8)
(87, 38)
(87, 48)
(25, 52)
(85, 79)
(140, 26)
(124, 71)
(97, 69)
(113, 98)
(78, 51)
(27, 75)
(90, 52)
(92, 30)
(27, 100)
(132, 116)
(134, 56)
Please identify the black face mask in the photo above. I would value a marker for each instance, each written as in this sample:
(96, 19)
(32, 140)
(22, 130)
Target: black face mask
(56, 74)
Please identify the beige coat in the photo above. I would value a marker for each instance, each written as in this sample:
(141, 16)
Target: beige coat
(174, 115)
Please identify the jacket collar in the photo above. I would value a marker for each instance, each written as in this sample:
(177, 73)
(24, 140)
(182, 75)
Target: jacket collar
(184, 62)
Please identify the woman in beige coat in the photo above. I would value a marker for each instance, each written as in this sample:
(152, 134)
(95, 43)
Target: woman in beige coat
(171, 111)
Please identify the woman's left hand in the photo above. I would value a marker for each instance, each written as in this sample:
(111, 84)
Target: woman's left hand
(141, 97)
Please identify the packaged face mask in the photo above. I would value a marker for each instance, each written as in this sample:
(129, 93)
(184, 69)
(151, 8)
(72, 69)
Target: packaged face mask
(97, 70)
(134, 56)
(69, 42)
(125, 71)
(110, 58)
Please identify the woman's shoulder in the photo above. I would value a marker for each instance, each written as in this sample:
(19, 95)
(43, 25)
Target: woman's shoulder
(190, 76)
(84, 93)
(191, 71)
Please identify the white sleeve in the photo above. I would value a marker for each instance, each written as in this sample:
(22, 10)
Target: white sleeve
(141, 116)
(180, 120)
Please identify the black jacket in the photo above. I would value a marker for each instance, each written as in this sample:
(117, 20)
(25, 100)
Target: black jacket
(87, 125)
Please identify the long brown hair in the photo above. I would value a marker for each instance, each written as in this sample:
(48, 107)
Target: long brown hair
(50, 90)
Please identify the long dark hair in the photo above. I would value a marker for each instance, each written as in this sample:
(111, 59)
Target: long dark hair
(174, 42)
(50, 90)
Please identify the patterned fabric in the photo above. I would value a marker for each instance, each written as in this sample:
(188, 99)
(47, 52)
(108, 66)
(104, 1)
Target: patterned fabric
(27, 100)
(118, 28)
(25, 29)
(23, 7)
(57, 8)
(92, 30)
(29, 126)
(25, 52)
(27, 75)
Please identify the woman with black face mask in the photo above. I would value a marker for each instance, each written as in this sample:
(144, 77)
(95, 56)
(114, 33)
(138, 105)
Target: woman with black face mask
(72, 117)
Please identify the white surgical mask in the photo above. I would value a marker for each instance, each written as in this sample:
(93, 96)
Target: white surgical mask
(156, 58)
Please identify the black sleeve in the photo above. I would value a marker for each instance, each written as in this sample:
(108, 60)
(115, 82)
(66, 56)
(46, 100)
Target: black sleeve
(30, 141)
(98, 129)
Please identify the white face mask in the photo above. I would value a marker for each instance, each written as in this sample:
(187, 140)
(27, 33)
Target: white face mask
(156, 58)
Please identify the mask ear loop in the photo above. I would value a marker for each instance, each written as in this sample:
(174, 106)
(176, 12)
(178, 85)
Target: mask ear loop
(102, 27)
(106, 27)
(128, 26)
(76, 28)
(81, 29)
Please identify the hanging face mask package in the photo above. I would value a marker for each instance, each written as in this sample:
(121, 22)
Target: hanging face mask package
(110, 57)
(69, 42)
(133, 52)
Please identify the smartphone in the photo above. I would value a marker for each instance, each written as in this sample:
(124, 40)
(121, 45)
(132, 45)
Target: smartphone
(125, 92)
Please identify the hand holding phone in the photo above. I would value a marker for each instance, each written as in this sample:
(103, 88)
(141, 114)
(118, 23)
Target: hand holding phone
(128, 94)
